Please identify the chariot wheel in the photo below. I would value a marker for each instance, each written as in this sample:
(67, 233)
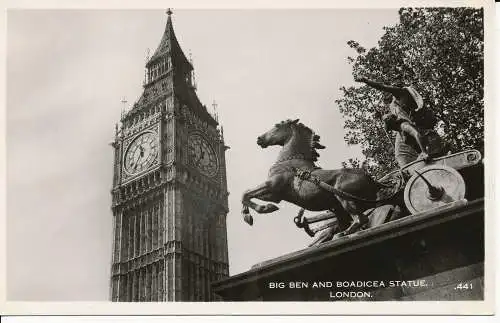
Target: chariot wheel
(433, 186)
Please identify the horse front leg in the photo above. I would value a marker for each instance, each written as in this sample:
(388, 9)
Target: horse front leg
(263, 192)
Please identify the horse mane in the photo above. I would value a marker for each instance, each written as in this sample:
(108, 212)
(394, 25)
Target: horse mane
(314, 138)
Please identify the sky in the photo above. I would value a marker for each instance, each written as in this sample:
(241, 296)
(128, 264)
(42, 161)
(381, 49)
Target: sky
(67, 71)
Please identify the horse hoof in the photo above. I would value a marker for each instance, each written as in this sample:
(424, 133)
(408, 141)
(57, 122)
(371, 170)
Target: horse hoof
(338, 235)
(248, 219)
(271, 208)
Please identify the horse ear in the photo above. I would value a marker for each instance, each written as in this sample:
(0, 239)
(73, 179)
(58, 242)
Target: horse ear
(295, 121)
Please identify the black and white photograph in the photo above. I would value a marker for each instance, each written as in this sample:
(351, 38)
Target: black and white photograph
(265, 160)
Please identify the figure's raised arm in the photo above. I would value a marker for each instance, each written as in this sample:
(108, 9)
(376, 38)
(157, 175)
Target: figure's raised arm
(396, 91)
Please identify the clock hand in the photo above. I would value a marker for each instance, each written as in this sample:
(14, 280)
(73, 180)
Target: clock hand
(202, 156)
(197, 157)
(141, 153)
(136, 161)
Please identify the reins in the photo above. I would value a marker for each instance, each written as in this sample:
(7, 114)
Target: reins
(308, 176)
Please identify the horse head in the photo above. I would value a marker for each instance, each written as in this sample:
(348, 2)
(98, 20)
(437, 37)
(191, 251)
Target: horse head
(278, 135)
(298, 138)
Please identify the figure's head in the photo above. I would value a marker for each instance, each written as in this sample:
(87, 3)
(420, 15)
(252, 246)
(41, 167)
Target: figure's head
(278, 135)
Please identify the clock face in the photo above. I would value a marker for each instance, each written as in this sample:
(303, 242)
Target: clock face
(202, 156)
(141, 153)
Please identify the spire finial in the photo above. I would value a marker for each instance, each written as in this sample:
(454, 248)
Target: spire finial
(216, 115)
(169, 12)
(124, 102)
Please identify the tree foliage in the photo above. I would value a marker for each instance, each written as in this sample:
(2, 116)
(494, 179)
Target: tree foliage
(439, 51)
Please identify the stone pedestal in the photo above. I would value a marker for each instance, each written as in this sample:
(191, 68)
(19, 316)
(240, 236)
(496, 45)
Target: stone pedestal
(434, 256)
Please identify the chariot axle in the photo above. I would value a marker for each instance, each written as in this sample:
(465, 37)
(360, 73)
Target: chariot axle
(434, 193)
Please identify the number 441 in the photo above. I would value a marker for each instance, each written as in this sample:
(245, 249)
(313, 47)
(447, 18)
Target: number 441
(464, 286)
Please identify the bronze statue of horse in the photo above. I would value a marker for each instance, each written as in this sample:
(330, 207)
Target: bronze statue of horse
(286, 183)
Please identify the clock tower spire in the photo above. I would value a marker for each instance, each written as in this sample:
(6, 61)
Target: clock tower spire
(169, 196)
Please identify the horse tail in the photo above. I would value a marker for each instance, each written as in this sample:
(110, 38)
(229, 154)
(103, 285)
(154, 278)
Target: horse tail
(396, 186)
(383, 185)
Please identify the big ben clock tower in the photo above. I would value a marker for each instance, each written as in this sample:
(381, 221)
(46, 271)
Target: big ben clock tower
(169, 196)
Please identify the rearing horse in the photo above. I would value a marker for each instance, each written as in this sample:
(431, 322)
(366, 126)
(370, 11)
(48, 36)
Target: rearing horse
(299, 153)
